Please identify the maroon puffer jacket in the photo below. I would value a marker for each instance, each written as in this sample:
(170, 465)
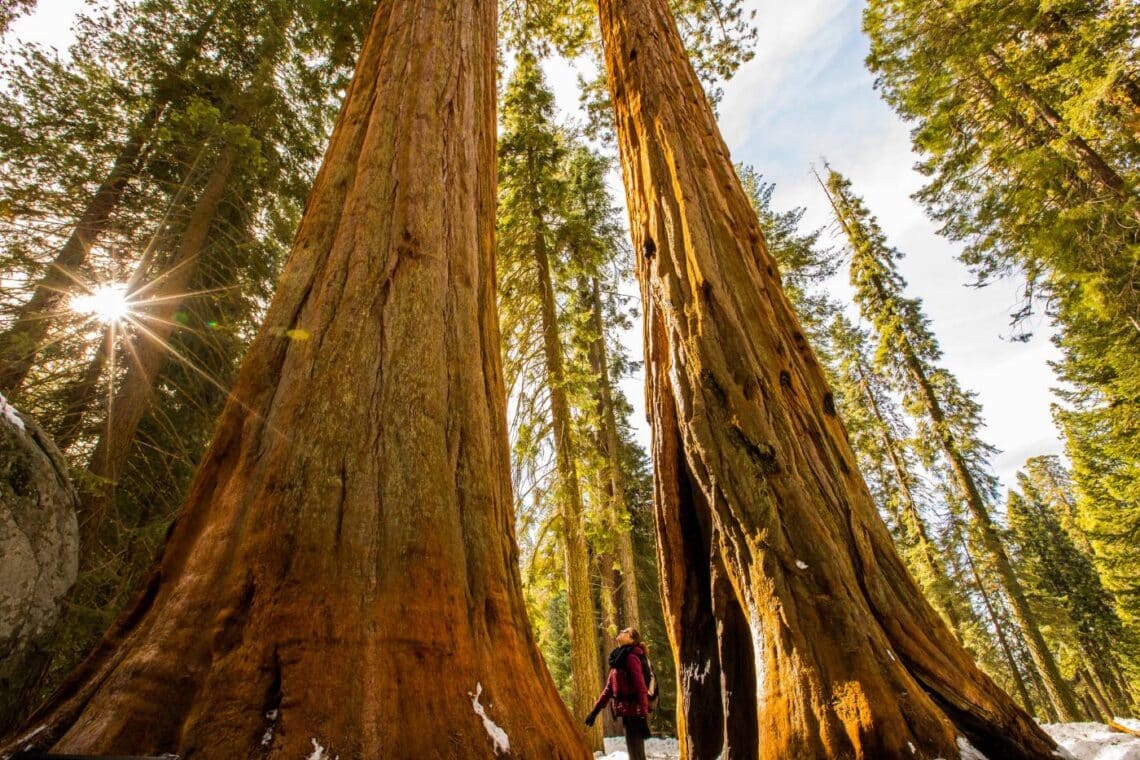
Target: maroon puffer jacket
(626, 687)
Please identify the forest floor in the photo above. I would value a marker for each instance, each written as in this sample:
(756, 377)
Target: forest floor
(1086, 741)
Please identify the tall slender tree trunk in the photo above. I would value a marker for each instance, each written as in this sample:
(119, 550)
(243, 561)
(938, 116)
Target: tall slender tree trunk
(145, 357)
(849, 658)
(1055, 685)
(1103, 174)
(971, 494)
(1086, 156)
(611, 445)
(585, 671)
(995, 621)
(79, 395)
(1105, 703)
(343, 579)
(911, 520)
(20, 343)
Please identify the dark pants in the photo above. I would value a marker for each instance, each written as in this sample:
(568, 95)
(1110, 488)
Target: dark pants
(636, 732)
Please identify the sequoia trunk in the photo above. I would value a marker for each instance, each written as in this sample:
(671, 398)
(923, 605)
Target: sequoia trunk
(343, 579)
(801, 574)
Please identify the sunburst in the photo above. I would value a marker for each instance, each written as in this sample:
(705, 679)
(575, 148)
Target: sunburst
(107, 303)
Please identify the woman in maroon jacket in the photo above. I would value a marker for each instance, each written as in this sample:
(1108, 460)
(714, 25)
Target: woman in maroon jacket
(628, 688)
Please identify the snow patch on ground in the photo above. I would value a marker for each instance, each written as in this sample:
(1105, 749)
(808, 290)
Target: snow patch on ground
(967, 751)
(1096, 741)
(655, 749)
(1081, 741)
(498, 736)
(8, 412)
(31, 734)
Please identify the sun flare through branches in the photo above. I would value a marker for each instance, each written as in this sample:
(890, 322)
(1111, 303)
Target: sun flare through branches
(106, 303)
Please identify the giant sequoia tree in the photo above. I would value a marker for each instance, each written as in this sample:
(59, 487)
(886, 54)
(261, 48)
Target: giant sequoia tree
(798, 631)
(342, 577)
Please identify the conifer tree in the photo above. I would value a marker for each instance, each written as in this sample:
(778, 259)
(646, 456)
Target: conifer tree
(23, 339)
(805, 264)
(1060, 573)
(908, 354)
(1025, 114)
(10, 10)
(530, 154)
(343, 576)
(216, 204)
(593, 240)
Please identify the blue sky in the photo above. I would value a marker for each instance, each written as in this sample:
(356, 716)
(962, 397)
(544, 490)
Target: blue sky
(807, 95)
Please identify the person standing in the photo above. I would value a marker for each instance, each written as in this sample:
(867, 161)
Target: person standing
(628, 690)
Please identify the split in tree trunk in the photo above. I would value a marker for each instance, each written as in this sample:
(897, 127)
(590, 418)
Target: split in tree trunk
(344, 572)
(850, 659)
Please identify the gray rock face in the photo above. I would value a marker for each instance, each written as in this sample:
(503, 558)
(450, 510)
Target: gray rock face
(39, 553)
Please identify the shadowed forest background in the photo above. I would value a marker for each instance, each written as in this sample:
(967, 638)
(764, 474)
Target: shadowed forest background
(155, 175)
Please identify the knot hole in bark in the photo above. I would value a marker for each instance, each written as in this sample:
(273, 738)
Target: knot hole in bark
(713, 386)
(785, 378)
(649, 250)
(633, 54)
(798, 339)
(829, 404)
(409, 245)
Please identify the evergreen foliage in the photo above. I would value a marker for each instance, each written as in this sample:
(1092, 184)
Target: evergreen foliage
(553, 198)
(948, 433)
(1062, 576)
(1025, 115)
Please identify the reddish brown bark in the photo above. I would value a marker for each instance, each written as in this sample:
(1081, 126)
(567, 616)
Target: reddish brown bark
(344, 570)
(755, 479)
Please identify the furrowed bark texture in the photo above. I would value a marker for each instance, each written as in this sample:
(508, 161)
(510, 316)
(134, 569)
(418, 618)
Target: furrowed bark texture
(344, 572)
(755, 481)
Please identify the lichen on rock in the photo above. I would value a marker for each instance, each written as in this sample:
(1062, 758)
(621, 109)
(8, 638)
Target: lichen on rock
(39, 554)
